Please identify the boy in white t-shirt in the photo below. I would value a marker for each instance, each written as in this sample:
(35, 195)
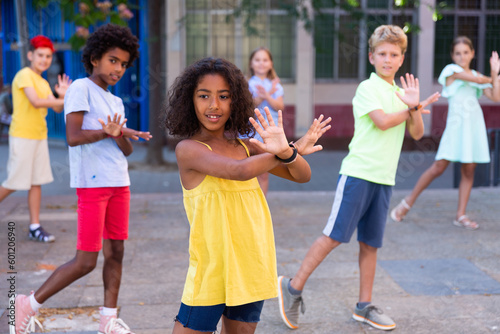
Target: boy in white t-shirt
(99, 143)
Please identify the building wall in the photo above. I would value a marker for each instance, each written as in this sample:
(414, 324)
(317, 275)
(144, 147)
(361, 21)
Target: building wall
(306, 98)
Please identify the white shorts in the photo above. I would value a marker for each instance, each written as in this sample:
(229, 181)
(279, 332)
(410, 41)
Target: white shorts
(28, 164)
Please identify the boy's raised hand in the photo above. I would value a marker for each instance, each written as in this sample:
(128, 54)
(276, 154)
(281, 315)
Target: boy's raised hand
(273, 135)
(135, 135)
(306, 144)
(113, 128)
(412, 90)
(63, 82)
(431, 99)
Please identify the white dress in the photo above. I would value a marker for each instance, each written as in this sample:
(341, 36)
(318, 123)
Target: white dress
(464, 138)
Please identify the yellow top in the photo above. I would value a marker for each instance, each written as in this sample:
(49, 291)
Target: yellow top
(27, 121)
(231, 244)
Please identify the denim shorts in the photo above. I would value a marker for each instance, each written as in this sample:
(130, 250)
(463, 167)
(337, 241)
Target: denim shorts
(206, 318)
(359, 204)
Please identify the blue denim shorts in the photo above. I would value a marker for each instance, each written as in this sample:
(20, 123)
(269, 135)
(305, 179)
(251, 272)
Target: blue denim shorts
(206, 318)
(359, 204)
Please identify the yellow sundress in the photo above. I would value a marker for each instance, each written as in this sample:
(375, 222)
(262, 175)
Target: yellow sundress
(231, 243)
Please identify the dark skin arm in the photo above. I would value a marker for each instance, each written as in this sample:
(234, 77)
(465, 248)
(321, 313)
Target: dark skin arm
(196, 161)
(275, 142)
(75, 135)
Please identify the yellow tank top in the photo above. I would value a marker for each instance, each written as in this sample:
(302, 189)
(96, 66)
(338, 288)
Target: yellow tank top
(231, 243)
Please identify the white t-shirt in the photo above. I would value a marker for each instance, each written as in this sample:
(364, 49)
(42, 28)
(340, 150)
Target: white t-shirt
(99, 164)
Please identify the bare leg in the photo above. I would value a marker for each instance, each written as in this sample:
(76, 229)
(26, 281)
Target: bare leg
(112, 271)
(180, 329)
(34, 203)
(264, 182)
(82, 264)
(316, 254)
(434, 171)
(465, 187)
(367, 266)
(237, 327)
(4, 192)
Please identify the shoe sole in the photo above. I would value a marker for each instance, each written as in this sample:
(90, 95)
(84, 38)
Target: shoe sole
(42, 241)
(282, 306)
(373, 324)
(458, 224)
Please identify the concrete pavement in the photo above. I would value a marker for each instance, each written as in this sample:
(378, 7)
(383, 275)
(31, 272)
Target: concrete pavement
(432, 277)
(325, 166)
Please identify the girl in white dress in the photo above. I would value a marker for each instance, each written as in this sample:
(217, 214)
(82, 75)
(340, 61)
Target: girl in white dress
(464, 139)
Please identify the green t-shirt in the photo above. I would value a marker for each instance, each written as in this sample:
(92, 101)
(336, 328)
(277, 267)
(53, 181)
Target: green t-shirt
(373, 153)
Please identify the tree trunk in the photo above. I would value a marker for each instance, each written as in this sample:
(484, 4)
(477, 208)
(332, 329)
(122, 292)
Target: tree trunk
(157, 78)
(22, 31)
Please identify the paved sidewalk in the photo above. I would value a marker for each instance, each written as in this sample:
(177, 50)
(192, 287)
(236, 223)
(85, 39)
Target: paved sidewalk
(432, 277)
(325, 167)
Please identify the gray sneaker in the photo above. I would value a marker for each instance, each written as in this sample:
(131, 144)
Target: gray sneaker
(40, 234)
(375, 317)
(289, 304)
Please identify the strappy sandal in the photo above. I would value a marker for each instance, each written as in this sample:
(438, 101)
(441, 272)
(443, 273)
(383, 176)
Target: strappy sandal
(394, 212)
(465, 222)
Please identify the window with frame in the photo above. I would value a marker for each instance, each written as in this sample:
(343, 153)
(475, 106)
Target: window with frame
(478, 20)
(213, 30)
(341, 40)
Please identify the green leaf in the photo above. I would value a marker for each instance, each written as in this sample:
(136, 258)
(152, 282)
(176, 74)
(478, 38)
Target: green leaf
(76, 42)
(115, 18)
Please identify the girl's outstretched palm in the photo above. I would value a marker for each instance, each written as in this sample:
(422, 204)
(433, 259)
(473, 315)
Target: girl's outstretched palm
(494, 62)
(273, 135)
(307, 144)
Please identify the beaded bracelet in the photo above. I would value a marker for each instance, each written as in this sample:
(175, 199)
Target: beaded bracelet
(415, 108)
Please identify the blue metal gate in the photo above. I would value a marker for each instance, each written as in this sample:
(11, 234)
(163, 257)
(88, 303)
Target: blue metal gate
(132, 88)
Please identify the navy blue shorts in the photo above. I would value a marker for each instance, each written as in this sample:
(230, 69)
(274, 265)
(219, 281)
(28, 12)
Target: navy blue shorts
(206, 318)
(359, 204)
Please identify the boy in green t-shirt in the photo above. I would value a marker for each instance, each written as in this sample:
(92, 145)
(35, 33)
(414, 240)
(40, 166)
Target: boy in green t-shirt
(28, 166)
(382, 111)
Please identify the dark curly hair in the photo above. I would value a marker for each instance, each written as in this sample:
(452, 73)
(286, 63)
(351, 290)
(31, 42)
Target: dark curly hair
(180, 115)
(107, 37)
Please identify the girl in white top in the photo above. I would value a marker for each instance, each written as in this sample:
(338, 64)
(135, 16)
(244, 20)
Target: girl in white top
(464, 138)
(266, 90)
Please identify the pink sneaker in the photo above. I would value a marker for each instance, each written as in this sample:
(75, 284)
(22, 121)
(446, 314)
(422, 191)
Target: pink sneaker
(25, 316)
(110, 324)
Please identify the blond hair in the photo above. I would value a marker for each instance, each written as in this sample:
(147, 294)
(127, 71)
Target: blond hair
(272, 73)
(388, 34)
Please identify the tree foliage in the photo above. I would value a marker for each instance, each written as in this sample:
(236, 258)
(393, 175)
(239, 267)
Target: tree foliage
(306, 10)
(86, 14)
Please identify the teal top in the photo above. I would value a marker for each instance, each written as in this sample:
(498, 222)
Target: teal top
(373, 153)
(464, 138)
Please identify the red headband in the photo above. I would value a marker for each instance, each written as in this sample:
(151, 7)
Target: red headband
(42, 42)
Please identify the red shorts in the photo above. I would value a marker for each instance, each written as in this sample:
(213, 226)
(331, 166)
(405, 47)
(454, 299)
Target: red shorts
(102, 214)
